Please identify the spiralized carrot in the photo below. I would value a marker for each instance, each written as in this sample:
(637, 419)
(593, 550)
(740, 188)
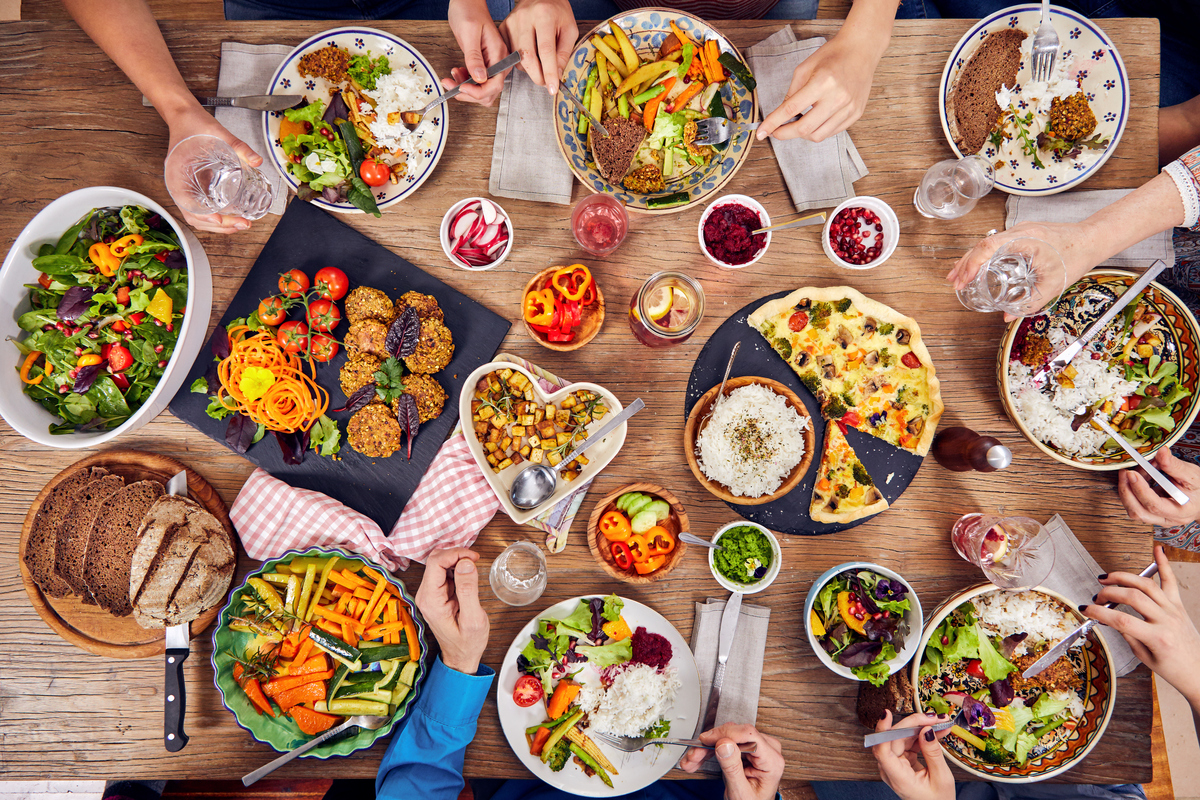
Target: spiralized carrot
(292, 403)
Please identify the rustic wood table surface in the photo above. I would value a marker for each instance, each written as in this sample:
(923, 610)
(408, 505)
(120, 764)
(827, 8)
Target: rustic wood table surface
(66, 713)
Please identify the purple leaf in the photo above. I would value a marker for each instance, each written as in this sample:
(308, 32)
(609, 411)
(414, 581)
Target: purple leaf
(596, 604)
(221, 346)
(337, 109)
(85, 377)
(239, 434)
(882, 629)
(94, 422)
(863, 595)
(860, 654)
(360, 399)
(1002, 692)
(403, 334)
(212, 378)
(75, 302)
(174, 260)
(409, 418)
(293, 446)
(1010, 644)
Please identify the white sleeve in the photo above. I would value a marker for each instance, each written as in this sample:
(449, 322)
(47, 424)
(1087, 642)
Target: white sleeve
(1188, 191)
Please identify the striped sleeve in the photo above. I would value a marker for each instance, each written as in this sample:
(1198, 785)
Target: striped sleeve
(1186, 174)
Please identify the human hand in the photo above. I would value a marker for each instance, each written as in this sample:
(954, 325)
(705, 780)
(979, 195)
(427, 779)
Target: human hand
(194, 121)
(544, 32)
(1142, 499)
(759, 780)
(481, 45)
(449, 600)
(900, 767)
(1166, 640)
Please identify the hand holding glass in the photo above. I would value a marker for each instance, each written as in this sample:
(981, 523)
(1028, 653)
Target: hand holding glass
(1022, 278)
(206, 176)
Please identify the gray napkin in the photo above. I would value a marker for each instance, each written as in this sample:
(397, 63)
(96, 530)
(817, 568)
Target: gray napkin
(1077, 206)
(526, 161)
(1074, 577)
(818, 174)
(247, 69)
(743, 671)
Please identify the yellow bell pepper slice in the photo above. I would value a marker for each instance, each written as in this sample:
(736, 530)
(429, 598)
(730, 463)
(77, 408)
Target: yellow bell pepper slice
(852, 622)
(161, 307)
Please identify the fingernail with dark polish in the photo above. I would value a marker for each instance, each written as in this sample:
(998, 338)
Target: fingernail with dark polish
(1102, 576)
(929, 736)
(1094, 597)
(1083, 607)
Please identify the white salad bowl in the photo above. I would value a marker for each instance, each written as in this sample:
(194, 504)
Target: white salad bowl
(26, 416)
(914, 618)
(772, 571)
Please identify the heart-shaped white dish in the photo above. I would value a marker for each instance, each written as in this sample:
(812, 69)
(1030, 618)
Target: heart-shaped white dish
(599, 454)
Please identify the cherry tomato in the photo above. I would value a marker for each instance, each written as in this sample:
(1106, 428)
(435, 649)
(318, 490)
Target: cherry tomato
(137, 317)
(271, 311)
(798, 321)
(323, 315)
(121, 381)
(910, 360)
(293, 283)
(293, 336)
(528, 691)
(119, 358)
(975, 667)
(331, 283)
(323, 348)
(373, 172)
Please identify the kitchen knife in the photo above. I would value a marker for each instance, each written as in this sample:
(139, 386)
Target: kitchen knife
(1056, 652)
(872, 739)
(253, 102)
(178, 647)
(729, 623)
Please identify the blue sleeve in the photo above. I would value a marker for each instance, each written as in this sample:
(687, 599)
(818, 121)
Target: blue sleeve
(425, 758)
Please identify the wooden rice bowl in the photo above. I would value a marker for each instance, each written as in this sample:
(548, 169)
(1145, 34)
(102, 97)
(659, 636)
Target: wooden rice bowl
(677, 523)
(591, 318)
(692, 431)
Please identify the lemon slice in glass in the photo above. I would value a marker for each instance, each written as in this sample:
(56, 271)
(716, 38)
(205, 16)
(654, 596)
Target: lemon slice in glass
(658, 304)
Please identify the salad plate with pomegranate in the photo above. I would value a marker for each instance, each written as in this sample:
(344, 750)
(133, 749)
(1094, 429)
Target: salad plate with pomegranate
(597, 665)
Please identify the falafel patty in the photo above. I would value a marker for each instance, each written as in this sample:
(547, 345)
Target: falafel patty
(374, 431)
(426, 305)
(428, 393)
(357, 372)
(367, 336)
(368, 303)
(435, 348)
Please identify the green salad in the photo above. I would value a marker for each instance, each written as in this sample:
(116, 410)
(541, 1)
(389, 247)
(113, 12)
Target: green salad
(104, 317)
(858, 618)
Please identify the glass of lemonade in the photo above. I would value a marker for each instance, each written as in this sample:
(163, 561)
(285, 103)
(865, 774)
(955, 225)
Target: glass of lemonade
(667, 309)
(518, 575)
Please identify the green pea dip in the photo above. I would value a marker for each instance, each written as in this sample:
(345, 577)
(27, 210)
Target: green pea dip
(746, 550)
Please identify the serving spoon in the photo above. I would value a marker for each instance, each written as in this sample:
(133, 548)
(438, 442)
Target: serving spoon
(411, 119)
(691, 538)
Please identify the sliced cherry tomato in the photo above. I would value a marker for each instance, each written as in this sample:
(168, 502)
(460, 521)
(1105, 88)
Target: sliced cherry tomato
(323, 315)
(121, 381)
(374, 173)
(293, 283)
(615, 526)
(137, 317)
(293, 337)
(331, 283)
(323, 348)
(650, 564)
(119, 358)
(621, 554)
(798, 321)
(271, 311)
(910, 360)
(528, 691)
(44, 280)
(975, 667)
(123, 296)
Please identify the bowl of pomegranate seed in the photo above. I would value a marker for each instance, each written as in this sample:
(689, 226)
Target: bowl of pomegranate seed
(861, 233)
(727, 231)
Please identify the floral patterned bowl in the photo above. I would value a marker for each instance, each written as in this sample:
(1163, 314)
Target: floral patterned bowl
(647, 27)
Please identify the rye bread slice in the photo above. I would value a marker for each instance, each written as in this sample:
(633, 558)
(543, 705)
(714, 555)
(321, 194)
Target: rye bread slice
(71, 543)
(112, 542)
(43, 534)
(614, 153)
(971, 107)
(895, 695)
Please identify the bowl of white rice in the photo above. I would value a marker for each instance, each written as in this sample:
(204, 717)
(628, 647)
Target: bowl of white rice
(754, 446)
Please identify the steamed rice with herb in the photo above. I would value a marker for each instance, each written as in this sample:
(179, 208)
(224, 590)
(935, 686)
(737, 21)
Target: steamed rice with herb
(753, 441)
(1006, 613)
(401, 90)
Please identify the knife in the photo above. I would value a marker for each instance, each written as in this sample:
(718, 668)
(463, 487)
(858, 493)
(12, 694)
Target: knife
(729, 623)
(1061, 360)
(178, 647)
(1057, 651)
(583, 110)
(253, 102)
(872, 739)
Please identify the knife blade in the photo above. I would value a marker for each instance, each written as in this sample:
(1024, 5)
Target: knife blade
(1056, 652)
(729, 623)
(252, 102)
(583, 110)
(178, 647)
(872, 739)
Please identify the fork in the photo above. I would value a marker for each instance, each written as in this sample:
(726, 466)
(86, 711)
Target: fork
(631, 744)
(1044, 50)
(366, 722)
(715, 130)
(1086, 413)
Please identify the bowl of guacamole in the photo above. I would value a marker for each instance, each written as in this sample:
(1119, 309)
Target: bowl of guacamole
(748, 560)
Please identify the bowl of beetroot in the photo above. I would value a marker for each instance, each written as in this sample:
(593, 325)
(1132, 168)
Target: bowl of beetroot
(861, 233)
(476, 234)
(726, 231)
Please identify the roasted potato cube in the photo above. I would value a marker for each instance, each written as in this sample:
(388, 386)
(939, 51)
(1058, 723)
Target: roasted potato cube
(487, 412)
(581, 460)
(569, 401)
(493, 459)
(562, 418)
(527, 420)
(500, 420)
(518, 379)
(526, 450)
(535, 441)
(475, 406)
(581, 434)
(1145, 350)
(505, 374)
(570, 475)
(539, 415)
(546, 430)
(517, 431)
(599, 410)
(553, 458)
(505, 442)
(529, 393)
(494, 435)
(505, 464)
(491, 447)
(494, 383)
(562, 438)
(516, 458)
(536, 455)
(481, 429)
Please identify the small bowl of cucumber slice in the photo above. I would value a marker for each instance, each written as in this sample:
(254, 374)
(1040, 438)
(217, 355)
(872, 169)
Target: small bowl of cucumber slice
(633, 533)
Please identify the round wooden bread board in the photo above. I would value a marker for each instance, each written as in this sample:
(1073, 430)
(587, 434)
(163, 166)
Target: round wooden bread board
(91, 627)
(591, 317)
(677, 523)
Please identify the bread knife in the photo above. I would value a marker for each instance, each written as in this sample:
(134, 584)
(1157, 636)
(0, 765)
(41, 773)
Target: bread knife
(178, 647)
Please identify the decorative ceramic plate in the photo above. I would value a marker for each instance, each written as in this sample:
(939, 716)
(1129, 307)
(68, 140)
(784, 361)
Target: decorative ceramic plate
(1082, 304)
(1097, 67)
(280, 731)
(1056, 753)
(401, 55)
(647, 27)
(634, 770)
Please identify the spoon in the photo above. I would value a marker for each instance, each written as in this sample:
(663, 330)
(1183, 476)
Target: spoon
(721, 392)
(411, 119)
(691, 538)
(367, 723)
(537, 482)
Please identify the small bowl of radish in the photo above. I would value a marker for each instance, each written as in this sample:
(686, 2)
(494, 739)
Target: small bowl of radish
(476, 234)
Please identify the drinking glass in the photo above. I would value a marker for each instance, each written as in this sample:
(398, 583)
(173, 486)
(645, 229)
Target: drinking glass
(518, 575)
(667, 309)
(206, 176)
(1013, 552)
(599, 224)
(1022, 278)
(951, 188)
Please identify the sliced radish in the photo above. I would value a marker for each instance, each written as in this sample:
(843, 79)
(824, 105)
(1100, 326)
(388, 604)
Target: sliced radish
(488, 209)
(464, 224)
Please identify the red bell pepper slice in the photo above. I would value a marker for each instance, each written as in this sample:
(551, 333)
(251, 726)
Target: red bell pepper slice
(621, 554)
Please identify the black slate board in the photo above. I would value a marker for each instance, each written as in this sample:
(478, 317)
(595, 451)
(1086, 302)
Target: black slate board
(789, 514)
(308, 238)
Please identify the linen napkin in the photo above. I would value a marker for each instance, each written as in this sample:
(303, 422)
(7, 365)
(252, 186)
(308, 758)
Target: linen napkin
(526, 162)
(743, 671)
(1074, 577)
(818, 174)
(247, 69)
(1077, 206)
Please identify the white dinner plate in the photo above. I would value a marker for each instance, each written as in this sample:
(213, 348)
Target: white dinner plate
(635, 770)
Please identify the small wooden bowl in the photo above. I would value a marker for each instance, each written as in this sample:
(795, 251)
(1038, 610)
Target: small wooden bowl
(591, 318)
(677, 523)
(692, 430)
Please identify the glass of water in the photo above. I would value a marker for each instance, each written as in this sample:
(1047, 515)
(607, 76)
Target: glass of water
(1022, 278)
(1013, 552)
(951, 188)
(518, 575)
(206, 176)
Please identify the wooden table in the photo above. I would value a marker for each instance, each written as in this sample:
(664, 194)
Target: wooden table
(65, 713)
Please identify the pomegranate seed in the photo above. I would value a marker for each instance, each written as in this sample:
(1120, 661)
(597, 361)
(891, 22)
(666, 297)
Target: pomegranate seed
(158, 348)
(78, 352)
(73, 373)
(945, 640)
(162, 364)
(62, 389)
(93, 335)
(158, 322)
(166, 280)
(170, 328)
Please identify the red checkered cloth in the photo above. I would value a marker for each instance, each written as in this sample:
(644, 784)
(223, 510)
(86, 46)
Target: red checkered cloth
(450, 507)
